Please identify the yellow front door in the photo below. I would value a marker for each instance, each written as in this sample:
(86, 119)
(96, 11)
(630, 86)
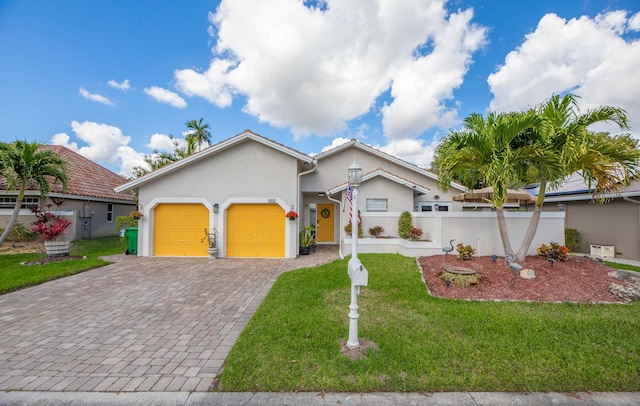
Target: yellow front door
(326, 218)
(255, 230)
(178, 230)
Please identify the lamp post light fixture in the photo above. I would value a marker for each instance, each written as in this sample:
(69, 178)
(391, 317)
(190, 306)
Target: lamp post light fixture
(357, 272)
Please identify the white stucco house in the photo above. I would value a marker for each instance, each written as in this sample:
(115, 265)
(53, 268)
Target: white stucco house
(242, 188)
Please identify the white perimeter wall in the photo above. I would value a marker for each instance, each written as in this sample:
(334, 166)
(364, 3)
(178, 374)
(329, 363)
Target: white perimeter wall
(478, 229)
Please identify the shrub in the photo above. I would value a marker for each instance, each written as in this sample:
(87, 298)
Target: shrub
(461, 280)
(405, 222)
(376, 231)
(414, 233)
(125, 222)
(347, 229)
(554, 251)
(572, 238)
(465, 252)
(20, 233)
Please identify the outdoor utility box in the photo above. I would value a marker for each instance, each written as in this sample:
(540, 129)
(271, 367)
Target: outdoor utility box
(603, 251)
(132, 240)
(358, 273)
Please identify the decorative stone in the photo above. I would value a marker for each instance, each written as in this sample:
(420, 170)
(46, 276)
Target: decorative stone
(527, 274)
(631, 293)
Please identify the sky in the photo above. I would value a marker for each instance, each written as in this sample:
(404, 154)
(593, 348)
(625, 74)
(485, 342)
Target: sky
(112, 80)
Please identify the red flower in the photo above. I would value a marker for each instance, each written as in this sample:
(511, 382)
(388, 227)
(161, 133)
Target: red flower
(291, 214)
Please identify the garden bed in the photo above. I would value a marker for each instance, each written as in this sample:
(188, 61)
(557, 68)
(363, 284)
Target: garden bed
(578, 279)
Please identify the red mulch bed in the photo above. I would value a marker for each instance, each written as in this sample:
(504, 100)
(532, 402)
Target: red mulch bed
(578, 279)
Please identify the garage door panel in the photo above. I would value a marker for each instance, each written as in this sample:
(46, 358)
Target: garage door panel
(178, 229)
(255, 230)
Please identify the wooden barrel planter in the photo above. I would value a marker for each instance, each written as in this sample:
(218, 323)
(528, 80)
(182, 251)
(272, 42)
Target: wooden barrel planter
(57, 248)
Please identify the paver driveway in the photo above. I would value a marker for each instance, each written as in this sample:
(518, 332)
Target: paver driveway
(142, 324)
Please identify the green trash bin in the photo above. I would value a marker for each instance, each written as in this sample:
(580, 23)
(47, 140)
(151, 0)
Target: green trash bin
(132, 240)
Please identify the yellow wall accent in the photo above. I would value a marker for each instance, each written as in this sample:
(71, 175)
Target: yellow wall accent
(178, 229)
(325, 229)
(255, 230)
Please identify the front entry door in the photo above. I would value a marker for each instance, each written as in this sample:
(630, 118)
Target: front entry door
(326, 219)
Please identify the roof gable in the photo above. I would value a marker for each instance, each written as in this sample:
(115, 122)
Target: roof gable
(86, 178)
(353, 143)
(211, 151)
(388, 175)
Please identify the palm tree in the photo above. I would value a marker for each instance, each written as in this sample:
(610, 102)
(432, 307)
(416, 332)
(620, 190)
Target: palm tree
(21, 163)
(605, 162)
(483, 153)
(199, 135)
(548, 143)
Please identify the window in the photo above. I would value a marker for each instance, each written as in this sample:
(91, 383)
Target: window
(377, 205)
(109, 212)
(10, 202)
(435, 207)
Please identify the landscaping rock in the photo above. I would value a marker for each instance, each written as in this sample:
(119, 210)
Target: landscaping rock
(528, 274)
(631, 292)
(629, 276)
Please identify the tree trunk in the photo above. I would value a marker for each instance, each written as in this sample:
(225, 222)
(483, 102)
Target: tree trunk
(504, 232)
(528, 237)
(14, 215)
(533, 224)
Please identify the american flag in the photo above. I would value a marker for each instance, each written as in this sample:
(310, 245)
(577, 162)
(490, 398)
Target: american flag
(349, 197)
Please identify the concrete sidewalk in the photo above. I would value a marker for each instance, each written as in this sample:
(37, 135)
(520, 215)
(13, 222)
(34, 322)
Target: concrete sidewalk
(315, 398)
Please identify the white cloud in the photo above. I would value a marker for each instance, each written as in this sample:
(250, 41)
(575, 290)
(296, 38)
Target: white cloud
(104, 143)
(588, 57)
(416, 151)
(163, 142)
(336, 143)
(166, 96)
(210, 85)
(121, 86)
(95, 97)
(313, 69)
(634, 22)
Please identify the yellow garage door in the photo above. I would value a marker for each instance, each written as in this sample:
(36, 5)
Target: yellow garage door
(178, 230)
(255, 230)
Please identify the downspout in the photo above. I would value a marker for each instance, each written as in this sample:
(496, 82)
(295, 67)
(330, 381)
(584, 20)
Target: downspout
(315, 167)
(328, 195)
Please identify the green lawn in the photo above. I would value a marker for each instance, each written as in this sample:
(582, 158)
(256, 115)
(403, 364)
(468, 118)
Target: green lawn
(622, 266)
(15, 276)
(425, 343)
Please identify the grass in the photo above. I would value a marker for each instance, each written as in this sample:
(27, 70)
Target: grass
(425, 343)
(15, 276)
(617, 265)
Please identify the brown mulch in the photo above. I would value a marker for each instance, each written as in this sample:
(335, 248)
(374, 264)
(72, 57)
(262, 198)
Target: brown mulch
(578, 279)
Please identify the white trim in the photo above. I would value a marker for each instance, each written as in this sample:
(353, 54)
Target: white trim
(212, 150)
(147, 242)
(222, 246)
(357, 144)
(388, 175)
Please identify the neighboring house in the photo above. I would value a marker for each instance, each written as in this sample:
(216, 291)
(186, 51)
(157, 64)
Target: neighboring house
(243, 186)
(614, 224)
(89, 201)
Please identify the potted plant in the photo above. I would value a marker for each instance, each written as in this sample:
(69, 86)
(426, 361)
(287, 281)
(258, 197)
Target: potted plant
(51, 226)
(210, 237)
(291, 215)
(306, 239)
(136, 215)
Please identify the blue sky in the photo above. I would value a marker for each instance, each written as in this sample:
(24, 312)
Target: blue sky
(112, 79)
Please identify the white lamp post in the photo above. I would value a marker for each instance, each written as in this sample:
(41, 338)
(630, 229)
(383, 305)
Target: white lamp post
(357, 272)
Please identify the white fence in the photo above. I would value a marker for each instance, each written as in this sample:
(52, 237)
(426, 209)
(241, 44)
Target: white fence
(477, 229)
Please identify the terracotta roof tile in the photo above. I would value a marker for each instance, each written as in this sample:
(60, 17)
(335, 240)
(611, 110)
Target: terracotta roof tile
(86, 178)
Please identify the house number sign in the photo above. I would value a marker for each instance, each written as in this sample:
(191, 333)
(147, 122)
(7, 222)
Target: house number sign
(325, 213)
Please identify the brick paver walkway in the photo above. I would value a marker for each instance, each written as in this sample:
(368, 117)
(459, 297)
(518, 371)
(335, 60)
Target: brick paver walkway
(141, 324)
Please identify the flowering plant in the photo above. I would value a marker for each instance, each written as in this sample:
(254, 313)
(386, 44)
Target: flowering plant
(47, 224)
(136, 214)
(291, 214)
